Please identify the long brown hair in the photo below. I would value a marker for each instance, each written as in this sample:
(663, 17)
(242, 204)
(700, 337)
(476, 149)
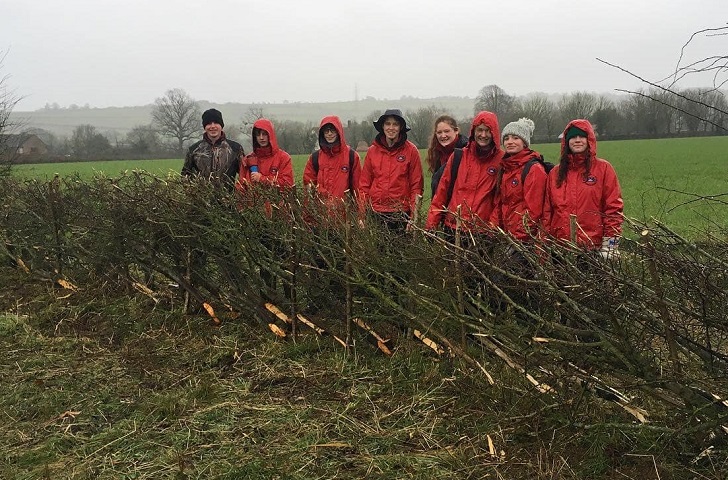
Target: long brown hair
(564, 165)
(433, 154)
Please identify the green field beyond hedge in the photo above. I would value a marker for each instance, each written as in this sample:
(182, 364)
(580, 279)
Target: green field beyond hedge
(671, 180)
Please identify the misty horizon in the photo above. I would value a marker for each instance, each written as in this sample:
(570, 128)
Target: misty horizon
(130, 53)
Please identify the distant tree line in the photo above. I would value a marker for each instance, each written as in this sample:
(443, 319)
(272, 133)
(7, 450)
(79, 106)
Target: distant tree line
(87, 143)
(175, 122)
(648, 113)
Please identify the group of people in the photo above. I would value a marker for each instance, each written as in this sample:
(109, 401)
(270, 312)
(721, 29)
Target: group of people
(497, 181)
(489, 180)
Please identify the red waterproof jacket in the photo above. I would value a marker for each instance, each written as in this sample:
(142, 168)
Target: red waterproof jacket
(475, 185)
(519, 199)
(332, 178)
(335, 177)
(273, 164)
(391, 177)
(595, 197)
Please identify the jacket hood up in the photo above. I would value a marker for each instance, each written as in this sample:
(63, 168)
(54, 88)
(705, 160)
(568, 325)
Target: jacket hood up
(336, 122)
(491, 121)
(267, 125)
(591, 137)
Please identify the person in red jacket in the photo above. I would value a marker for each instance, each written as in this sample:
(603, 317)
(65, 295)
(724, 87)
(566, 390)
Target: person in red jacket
(337, 170)
(475, 184)
(391, 179)
(587, 187)
(522, 197)
(268, 164)
(267, 167)
(332, 173)
(446, 137)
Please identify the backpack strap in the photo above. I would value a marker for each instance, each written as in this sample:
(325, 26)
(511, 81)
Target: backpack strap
(527, 167)
(315, 165)
(314, 161)
(351, 170)
(454, 167)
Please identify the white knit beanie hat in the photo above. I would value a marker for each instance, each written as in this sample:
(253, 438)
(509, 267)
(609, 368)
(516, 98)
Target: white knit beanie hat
(523, 128)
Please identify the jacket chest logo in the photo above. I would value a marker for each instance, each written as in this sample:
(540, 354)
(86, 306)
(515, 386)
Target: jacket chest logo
(590, 180)
(345, 168)
(401, 158)
(273, 170)
(492, 171)
(514, 182)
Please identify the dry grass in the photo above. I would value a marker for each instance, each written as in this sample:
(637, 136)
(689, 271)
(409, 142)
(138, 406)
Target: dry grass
(104, 376)
(156, 394)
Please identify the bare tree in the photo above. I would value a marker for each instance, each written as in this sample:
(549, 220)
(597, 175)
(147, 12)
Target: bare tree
(369, 130)
(177, 115)
(539, 108)
(702, 110)
(143, 140)
(648, 113)
(295, 137)
(606, 117)
(718, 116)
(715, 67)
(421, 123)
(254, 113)
(577, 105)
(494, 99)
(88, 144)
(8, 100)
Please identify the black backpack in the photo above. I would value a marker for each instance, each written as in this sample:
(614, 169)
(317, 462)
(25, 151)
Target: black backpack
(315, 163)
(454, 166)
(548, 166)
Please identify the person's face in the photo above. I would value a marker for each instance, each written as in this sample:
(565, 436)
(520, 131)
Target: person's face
(262, 138)
(578, 144)
(330, 134)
(513, 144)
(483, 136)
(445, 133)
(213, 130)
(391, 128)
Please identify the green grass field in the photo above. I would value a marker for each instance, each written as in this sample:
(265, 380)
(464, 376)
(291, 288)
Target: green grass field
(670, 180)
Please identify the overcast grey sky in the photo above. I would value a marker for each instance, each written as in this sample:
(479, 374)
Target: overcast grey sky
(128, 52)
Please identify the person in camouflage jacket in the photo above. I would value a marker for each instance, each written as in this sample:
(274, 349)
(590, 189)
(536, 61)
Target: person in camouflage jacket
(214, 157)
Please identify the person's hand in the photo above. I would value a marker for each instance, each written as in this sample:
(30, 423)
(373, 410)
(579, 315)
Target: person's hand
(361, 224)
(256, 177)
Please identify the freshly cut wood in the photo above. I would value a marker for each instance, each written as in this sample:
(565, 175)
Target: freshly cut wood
(278, 312)
(486, 341)
(67, 285)
(22, 265)
(381, 342)
(430, 343)
(277, 330)
(311, 325)
(145, 290)
(211, 312)
(491, 447)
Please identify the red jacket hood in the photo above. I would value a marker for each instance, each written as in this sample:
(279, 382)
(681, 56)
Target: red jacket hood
(491, 121)
(591, 138)
(267, 125)
(336, 122)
